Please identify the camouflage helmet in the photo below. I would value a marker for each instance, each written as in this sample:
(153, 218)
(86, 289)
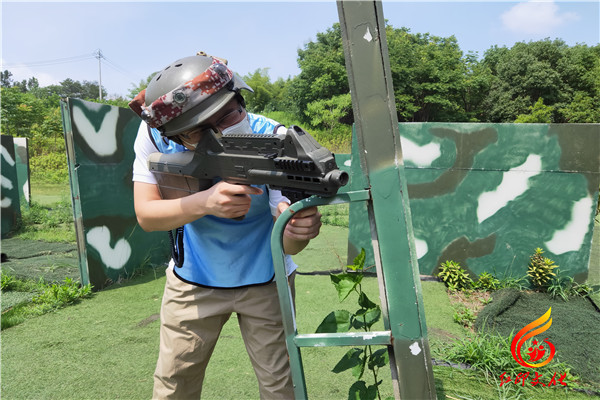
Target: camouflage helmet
(186, 93)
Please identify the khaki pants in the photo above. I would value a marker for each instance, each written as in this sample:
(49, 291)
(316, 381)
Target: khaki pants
(191, 321)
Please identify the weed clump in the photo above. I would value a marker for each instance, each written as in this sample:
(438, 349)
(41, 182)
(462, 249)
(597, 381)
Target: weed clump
(43, 297)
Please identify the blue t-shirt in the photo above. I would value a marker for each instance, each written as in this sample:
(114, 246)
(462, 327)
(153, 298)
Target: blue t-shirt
(226, 253)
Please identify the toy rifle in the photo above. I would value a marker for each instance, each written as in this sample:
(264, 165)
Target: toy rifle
(294, 163)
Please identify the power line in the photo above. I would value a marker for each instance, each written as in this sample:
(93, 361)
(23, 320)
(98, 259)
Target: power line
(97, 54)
(120, 69)
(65, 60)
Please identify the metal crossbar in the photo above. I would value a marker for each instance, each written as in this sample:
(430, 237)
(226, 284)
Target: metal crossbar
(295, 341)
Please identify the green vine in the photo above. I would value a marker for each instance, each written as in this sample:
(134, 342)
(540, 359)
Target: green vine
(358, 360)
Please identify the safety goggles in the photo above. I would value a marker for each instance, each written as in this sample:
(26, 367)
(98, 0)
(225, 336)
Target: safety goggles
(194, 135)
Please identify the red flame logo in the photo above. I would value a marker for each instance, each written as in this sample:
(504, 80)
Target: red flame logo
(537, 351)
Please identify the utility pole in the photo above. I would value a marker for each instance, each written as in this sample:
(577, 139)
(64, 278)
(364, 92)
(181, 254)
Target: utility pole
(99, 57)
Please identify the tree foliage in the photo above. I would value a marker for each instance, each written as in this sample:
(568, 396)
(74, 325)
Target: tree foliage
(539, 113)
(323, 71)
(266, 96)
(539, 81)
(429, 76)
(33, 112)
(141, 85)
(551, 70)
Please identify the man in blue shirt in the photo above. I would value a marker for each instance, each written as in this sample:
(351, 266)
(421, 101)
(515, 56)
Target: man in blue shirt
(224, 264)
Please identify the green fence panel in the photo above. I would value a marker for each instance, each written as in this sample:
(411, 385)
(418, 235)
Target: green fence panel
(99, 140)
(22, 161)
(487, 195)
(11, 209)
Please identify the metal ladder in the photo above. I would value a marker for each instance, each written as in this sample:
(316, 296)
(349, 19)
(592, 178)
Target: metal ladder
(378, 144)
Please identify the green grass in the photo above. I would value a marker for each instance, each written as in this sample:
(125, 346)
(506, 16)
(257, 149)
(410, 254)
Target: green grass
(49, 223)
(75, 351)
(46, 193)
(49, 216)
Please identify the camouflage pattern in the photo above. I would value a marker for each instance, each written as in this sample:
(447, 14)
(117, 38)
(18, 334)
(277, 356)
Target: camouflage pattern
(184, 97)
(487, 195)
(11, 209)
(22, 160)
(111, 244)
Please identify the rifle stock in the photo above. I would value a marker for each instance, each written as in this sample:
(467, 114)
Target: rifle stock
(294, 163)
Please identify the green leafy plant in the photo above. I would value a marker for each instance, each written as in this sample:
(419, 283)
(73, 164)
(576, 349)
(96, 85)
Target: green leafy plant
(336, 214)
(50, 223)
(7, 282)
(46, 298)
(565, 287)
(559, 287)
(454, 276)
(486, 281)
(519, 283)
(358, 360)
(581, 289)
(540, 270)
(60, 295)
(464, 316)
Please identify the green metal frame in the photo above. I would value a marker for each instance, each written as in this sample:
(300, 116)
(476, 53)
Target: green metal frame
(369, 75)
(65, 110)
(294, 340)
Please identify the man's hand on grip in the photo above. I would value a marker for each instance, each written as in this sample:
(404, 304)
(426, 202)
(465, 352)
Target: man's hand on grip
(304, 225)
(228, 200)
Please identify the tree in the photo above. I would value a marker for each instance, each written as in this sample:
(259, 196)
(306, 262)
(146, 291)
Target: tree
(143, 84)
(6, 79)
(69, 88)
(582, 109)
(429, 76)
(540, 113)
(20, 111)
(478, 80)
(264, 91)
(329, 113)
(432, 81)
(323, 72)
(543, 69)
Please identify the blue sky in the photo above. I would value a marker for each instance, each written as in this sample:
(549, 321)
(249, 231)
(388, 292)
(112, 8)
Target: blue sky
(57, 40)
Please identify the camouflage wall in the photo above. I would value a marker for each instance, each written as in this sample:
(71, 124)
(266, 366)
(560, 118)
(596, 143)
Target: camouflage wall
(486, 195)
(111, 244)
(22, 161)
(11, 209)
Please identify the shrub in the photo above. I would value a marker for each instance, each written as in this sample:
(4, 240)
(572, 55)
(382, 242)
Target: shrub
(454, 276)
(49, 168)
(540, 270)
(487, 281)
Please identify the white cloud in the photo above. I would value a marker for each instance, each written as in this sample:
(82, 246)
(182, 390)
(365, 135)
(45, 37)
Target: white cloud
(539, 17)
